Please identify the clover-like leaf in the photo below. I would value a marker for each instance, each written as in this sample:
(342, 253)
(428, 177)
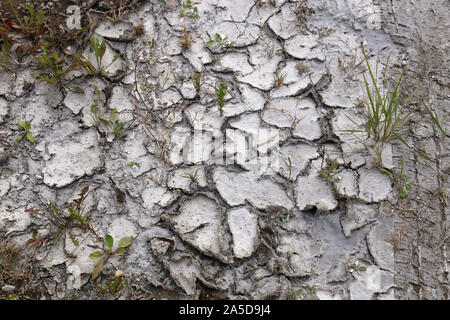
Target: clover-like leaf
(109, 241)
(94, 45)
(96, 255)
(121, 250)
(30, 137)
(21, 123)
(125, 242)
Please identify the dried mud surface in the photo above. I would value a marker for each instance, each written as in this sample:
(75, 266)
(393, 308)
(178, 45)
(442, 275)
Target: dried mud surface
(229, 204)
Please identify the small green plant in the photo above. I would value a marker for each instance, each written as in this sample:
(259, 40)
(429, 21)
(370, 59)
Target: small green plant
(64, 222)
(356, 267)
(401, 179)
(9, 255)
(112, 122)
(31, 23)
(383, 111)
(279, 80)
(12, 297)
(188, 10)
(196, 78)
(133, 163)
(219, 42)
(99, 50)
(383, 116)
(117, 127)
(221, 92)
(104, 254)
(186, 42)
(192, 176)
(301, 293)
(329, 171)
(11, 56)
(26, 127)
(303, 11)
(54, 68)
(114, 286)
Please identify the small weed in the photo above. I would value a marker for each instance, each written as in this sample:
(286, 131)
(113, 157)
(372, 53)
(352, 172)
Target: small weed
(356, 267)
(72, 217)
(196, 78)
(99, 50)
(11, 55)
(54, 67)
(114, 286)
(112, 122)
(105, 253)
(187, 40)
(329, 171)
(303, 11)
(133, 163)
(9, 255)
(117, 127)
(115, 10)
(188, 10)
(324, 32)
(383, 109)
(279, 80)
(220, 42)
(26, 126)
(383, 116)
(401, 179)
(36, 239)
(192, 176)
(12, 297)
(221, 92)
(31, 23)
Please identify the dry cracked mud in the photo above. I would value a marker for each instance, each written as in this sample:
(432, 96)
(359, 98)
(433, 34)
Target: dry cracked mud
(230, 202)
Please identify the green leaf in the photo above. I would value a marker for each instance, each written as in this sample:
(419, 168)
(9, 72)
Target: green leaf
(96, 255)
(77, 90)
(134, 163)
(210, 43)
(104, 121)
(102, 49)
(94, 45)
(125, 242)
(121, 250)
(218, 38)
(30, 137)
(116, 56)
(362, 268)
(27, 125)
(21, 123)
(109, 241)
